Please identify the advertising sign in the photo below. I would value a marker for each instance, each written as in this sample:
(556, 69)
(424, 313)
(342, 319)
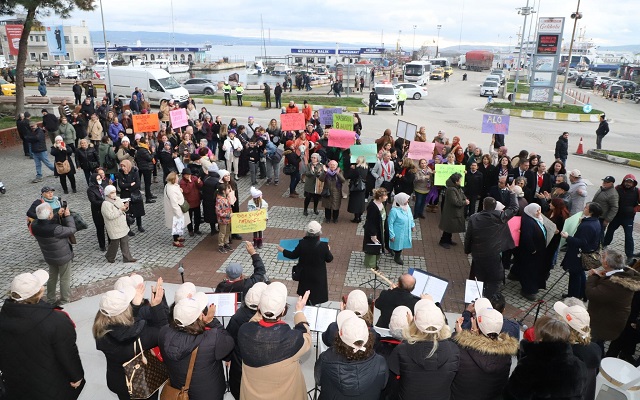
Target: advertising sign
(13, 37)
(547, 44)
(55, 40)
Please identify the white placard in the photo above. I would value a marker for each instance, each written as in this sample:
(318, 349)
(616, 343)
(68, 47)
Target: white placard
(429, 284)
(473, 290)
(179, 164)
(226, 303)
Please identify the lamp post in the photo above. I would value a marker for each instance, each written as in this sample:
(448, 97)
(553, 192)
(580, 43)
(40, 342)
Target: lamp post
(438, 41)
(509, 48)
(576, 16)
(106, 55)
(413, 46)
(524, 11)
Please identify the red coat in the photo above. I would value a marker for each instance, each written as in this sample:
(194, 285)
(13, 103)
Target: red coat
(292, 110)
(308, 113)
(191, 190)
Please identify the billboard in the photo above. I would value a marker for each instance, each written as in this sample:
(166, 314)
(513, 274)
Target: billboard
(13, 37)
(545, 61)
(55, 40)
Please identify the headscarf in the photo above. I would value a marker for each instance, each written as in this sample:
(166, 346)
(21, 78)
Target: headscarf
(531, 211)
(401, 200)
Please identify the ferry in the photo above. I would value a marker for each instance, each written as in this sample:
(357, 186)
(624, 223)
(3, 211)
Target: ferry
(172, 67)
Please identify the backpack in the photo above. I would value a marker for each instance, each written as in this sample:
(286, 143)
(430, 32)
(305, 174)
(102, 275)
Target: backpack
(109, 162)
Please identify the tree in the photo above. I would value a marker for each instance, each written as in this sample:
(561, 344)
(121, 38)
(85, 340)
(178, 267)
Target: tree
(36, 8)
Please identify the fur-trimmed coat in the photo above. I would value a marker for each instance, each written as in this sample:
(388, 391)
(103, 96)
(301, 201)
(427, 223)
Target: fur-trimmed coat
(484, 366)
(610, 302)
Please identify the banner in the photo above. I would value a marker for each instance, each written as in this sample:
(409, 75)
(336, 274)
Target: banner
(369, 151)
(343, 121)
(420, 150)
(13, 37)
(406, 130)
(326, 115)
(341, 139)
(292, 122)
(495, 124)
(55, 40)
(248, 222)
(514, 226)
(178, 118)
(444, 172)
(145, 123)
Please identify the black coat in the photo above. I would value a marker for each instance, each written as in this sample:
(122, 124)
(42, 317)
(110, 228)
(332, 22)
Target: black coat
(357, 199)
(489, 177)
(547, 370)
(501, 195)
(404, 184)
(473, 183)
(586, 238)
(209, 185)
(590, 355)
(423, 378)
(373, 226)
(23, 128)
(87, 159)
(313, 256)
(241, 317)
(38, 140)
(38, 352)
(50, 122)
(603, 128)
(96, 199)
(532, 252)
(243, 286)
(562, 148)
(207, 380)
(390, 299)
(126, 190)
(166, 162)
(59, 155)
(144, 159)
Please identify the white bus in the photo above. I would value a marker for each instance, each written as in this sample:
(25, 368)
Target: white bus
(417, 71)
(440, 62)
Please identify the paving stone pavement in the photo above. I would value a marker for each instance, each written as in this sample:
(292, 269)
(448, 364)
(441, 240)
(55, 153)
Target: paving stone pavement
(357, 273)
(292, 217)
(284, 181)
(276, 269)
(415, 235)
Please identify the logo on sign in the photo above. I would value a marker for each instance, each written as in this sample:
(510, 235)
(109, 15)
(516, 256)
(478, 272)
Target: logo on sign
(550, 25)
(587, 108)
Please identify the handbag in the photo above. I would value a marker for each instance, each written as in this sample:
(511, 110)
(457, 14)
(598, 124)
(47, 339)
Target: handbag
(296, 272)
(236, 153)
(177, 225)
(185, 206)
(590, 260)
(144, 373)
(130, 219)
(319, 186)
(63, 167)
(79, 221)
(357, 185)
(136, 197)
(171, 393)
(325, 191)
(289, 169)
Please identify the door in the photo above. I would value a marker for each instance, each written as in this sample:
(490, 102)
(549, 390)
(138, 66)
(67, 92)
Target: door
(155, 93)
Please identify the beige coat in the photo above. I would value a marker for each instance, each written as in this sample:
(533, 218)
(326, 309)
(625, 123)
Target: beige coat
(94, 130)
(114, 220)
(172, 199)
(280, 381)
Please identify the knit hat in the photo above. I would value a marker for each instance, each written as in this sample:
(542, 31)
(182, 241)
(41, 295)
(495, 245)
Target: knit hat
(234, 270)
(273, 299)
(428, 317)
(109, 189)
(289, 143)
(186, 171)
(223, 173)
(255, 193)
(125, 139)
(188, 310)
(489, 321)
(252, 299)
(357, 302)
(58, 138)
(184, 291)
(137, 136)
(132, 280)
(314, 228)
(27, 284)
(354, 330)
(576, 316)
(115, 302)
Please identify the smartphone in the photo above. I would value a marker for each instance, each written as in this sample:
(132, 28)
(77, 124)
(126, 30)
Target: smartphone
(113, 179)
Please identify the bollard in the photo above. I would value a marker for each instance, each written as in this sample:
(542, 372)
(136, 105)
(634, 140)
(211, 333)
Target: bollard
(589, 100)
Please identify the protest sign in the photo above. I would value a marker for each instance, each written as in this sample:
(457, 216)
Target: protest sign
(406, 130)
(178, 118)
(571, 226)
(444, 172)
(369, 151)
(420, 150)
(292, 122)
(341, 139)
(495, 124)
(326, 115)
(291, 244)
(439, 147)
(514, 226)
(250, 221)
(146, 123)
(343, 121)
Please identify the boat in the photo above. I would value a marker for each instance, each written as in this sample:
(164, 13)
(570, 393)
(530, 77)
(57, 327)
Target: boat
(172, 67)
(101, 65)
(281, 69)
(256, 68)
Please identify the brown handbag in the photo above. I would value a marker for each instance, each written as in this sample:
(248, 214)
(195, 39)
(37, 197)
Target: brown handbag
(171, 393)
(144, 373)
(63, 167)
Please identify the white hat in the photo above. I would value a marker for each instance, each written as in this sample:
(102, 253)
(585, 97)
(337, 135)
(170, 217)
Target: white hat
(576, 316)
(125, 139)
(489, 321)
(115, 302)
(399, 318)
(255, 193)
(252, 299)
(58, 138)
(188, 310)
(273, 299)
(314, 228)
(343, 316)
(184, 291)
(109, 189)
(354, 330)
(133, 280)
(27, 284)
(222, 173)
(428, 317)
(481, 304)
(575, 173)
(357, 302)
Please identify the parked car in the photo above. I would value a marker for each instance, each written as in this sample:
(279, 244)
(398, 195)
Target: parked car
(200, 86)
(636, 96)
(500, 73)
(587, 82)
(6, 88)
(494, 78)
(414, 91)
(489, 88)
(437, 73)
(629, 86)
(613, 91)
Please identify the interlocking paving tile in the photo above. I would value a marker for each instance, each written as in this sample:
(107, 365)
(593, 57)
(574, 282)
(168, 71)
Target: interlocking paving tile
(415, 235)
(292, 217)
(276, 269)
(357, 273)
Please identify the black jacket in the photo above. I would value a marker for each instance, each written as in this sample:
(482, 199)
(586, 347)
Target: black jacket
(373, 226)
(603, 128)
(292, 158)
(243, 286)
(501, 195)
(87, 159)
(373, 98)
(136, 208)
(586, 238)
(144, 159)
(23, 128)
(95, 199)
(50, 122)
(53, 239)
(590, 355)
(38, 140)
(562, 148)
(390, 299)
(166, 162)
(241, 317)
(207, 380)
(38, 352)
(627, 200)
(60, 155)
(547, 370)
(313, 255)
(473, 183)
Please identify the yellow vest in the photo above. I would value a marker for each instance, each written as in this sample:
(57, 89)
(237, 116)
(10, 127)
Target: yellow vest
(226, 88)
(239, 90)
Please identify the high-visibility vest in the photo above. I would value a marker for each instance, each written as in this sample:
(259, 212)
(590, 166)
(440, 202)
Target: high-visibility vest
(226, 88)
(402, 95)
(239, 90)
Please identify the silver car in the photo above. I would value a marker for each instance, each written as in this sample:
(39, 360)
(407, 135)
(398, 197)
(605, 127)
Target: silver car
(200, 86)
(414, 91)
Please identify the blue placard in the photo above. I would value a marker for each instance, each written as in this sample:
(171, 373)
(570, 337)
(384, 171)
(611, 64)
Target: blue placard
(495, 124)
(326, 115)
(290, 244)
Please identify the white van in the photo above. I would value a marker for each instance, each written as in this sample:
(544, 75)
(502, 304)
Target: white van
(155, 83)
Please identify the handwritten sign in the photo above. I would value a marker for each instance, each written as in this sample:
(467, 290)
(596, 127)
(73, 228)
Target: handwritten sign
(439, 148)
(343, 121)
(444, 172)
(146, 123)
(514, 226)
(420, 150)
(250, 221)
(369, 151)
(341, 139)
(326, 115)
(178, 118)
(495, 124)
(292, 122)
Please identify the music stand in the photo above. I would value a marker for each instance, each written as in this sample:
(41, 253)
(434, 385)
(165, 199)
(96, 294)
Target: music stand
(538, 303)
(315, 389)
(374, 283)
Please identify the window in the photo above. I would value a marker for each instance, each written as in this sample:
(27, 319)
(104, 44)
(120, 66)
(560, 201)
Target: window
(154, 85)
(31, 38)
(322, 60)
(44, 38)
(84, 40)
(57, 58)
(44, 56)
(33, 57)
(66, 57)
(37, 38)
(175, 57)
(11, 57)
(310, 60)
(153, 57)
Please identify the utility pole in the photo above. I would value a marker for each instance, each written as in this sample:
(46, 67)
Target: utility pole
(524, 11)
(106, 55)
(413, 47)
(438, 41)
(576, 16)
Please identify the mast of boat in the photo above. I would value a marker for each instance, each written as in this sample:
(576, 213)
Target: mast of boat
(173, 34)
(264, 44)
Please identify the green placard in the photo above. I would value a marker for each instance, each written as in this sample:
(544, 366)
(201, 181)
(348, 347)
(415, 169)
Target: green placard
(369, 151)
(343, 121)
(444, 172)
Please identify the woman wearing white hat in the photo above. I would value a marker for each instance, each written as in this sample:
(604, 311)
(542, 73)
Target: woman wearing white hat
(257, 203)
(62, 155)
(114, 212)
(401, 226)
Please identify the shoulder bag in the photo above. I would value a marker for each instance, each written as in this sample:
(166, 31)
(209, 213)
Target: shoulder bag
(289, 169)
(63, 167)
(144, 373)
(296, 270)
(590, 260)
(171, 393)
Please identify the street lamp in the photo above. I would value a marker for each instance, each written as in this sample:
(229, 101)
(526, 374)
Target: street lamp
(106, 55)
(509, 49)
(438, 42)
(413, 46)
(575, 16)
(524, 11)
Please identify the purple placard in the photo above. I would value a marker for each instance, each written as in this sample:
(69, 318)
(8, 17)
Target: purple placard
(495, 124)
(326, 115)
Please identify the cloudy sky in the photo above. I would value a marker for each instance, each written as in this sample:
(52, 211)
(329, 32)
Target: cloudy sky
(488, 22)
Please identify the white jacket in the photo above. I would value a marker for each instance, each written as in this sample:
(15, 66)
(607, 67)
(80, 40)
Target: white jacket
(251, 206)
(114, 220)
(229, 145)
(172, 199)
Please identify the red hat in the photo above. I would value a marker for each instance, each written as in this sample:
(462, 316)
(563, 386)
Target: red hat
(289, 143)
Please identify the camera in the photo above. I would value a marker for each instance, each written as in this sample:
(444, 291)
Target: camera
(63, 204)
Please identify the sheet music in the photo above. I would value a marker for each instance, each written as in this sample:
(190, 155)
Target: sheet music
(325, 317)
(421, 282)
(312, 315)
(472, 291)
(436, 287)
(226, 303)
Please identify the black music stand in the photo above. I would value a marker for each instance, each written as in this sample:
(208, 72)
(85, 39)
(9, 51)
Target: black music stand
(538, 303)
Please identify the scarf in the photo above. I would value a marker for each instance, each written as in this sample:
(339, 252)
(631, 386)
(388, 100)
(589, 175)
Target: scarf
(401, 200)
(459, 157)
(386, 170)
(143, 145)
(54, 203)
(333, 175)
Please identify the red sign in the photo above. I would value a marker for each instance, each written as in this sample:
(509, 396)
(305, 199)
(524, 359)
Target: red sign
(292, 122)
(13, 36)
(547, 44)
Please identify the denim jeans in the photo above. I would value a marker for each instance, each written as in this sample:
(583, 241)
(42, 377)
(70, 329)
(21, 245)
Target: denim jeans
(295, 178)
(42, 157)
(627, 224)
(421, 199)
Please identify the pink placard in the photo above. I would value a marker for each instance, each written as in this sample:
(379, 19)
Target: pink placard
(292, 122)
(420, 150)
(514, 227)
(178, 118)
(341, 138)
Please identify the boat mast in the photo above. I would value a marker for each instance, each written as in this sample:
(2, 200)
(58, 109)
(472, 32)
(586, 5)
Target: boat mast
(264, 44)
(173, 33)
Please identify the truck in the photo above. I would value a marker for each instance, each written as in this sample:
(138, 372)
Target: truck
(156, 84)
(479, 60)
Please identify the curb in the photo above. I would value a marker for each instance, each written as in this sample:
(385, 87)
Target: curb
(612, 159)
(547, 115)
(264, 105)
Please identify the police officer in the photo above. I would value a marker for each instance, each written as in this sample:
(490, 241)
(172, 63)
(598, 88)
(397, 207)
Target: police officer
(226, 89)
(402, 97)
(373, 99)
(239, 92)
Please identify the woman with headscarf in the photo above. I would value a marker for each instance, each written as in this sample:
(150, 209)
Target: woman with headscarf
(96, 195)
(459, 153)
(333, 181)
(532, 252)
(61, 153)
(129, 184)
(455, 144)
(357, 176)
(401, 225)
(114, 212)
(174, 218)
(384, 139)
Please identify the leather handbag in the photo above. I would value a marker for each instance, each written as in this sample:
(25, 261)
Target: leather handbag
(185, 206)
(171, 393)
(136, 197)
(144, 373)
(590, 260)
(63, 167)
(289, 169)
(296, 272)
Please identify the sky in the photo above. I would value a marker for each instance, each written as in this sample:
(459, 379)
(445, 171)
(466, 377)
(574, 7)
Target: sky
(467, 22)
